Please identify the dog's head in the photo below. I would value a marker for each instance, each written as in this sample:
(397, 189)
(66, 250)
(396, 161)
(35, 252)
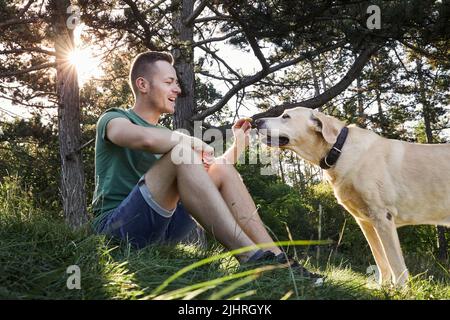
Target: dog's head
(309, 133)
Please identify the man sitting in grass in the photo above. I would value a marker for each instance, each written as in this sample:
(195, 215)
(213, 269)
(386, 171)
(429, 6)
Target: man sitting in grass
(145, 195)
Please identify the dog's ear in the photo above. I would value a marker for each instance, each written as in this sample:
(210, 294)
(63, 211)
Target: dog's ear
(324, 124)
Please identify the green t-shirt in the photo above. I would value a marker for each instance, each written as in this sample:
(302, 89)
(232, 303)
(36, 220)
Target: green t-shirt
(117, 169)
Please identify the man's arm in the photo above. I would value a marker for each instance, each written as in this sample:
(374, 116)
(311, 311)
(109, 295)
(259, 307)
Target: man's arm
(241, 131)
(124, 133)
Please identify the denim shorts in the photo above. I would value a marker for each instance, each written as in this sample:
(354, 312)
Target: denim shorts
(141, 221)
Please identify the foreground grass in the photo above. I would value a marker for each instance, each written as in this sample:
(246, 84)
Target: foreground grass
(35, 253)
(36, 250)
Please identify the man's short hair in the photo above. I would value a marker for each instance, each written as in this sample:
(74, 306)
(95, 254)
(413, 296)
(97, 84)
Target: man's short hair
(142, 64)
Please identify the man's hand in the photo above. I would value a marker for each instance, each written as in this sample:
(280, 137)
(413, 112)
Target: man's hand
(241, 132)
(206, 151)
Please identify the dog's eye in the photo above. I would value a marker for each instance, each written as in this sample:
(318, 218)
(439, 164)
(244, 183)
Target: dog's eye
(286, 116)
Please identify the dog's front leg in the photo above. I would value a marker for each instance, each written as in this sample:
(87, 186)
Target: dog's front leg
(377, 251)
(386, 230)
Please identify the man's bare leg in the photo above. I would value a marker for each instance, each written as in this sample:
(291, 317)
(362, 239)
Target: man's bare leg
(168, 183)
(240, 203)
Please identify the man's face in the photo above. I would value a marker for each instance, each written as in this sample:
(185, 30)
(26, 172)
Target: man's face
(163, 87)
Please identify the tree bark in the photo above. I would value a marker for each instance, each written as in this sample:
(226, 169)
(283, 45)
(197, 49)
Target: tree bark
(72, 172)
(183, 54)
(382, 119)
(280, 163)
(440, 230)
(301, 176)
(315, 79)
(322, 77)
(360, 102)
(184, 64)
(295, 173)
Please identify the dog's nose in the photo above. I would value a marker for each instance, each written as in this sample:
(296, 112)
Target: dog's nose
(257, 123)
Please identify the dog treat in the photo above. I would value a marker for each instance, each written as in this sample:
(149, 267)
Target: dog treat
(248, 119)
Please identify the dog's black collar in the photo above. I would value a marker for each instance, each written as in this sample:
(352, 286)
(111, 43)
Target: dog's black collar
(335, 152)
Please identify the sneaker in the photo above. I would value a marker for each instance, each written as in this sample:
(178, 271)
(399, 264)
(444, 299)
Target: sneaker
(298, 268)
(269, 257)
(262, 256)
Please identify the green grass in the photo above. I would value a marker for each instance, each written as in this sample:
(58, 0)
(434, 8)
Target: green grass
(36, 249)
(35, 254)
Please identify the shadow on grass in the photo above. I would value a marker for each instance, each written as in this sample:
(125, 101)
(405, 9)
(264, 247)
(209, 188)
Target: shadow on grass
(36, 252)
(223, 278)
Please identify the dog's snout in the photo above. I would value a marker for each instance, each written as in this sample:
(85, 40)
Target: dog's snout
(258, 124)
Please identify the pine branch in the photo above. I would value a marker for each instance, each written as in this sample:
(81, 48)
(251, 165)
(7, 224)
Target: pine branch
(218, 15)
(423, 52)
(212, 18)
(25, 9)
(23, 50)
(190, 20)
(34, 68)
(145, 26)
(16, 21)
(257, 51)
(153, 7)
(215, 56)
(251, 40)
(332, 92)
(207, 74)
(229, 35)
(247, 81)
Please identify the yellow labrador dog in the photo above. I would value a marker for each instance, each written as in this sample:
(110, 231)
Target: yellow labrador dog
(383, 183)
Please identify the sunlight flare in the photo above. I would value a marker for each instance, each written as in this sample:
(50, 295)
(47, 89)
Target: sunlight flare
(84, 59)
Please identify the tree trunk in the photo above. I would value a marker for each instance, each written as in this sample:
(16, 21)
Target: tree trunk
(360, 103)
(380, 106)
(183, 54)
(427, 118)
(294, 167)
(184, 64)
(383, 122)
(301, 176)
(280, 162)
(72, 172)
(315, 81)
(322, 77)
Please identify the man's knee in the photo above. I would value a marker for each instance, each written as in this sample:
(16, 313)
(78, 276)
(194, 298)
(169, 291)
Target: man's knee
(183, 154)
(222, 172)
